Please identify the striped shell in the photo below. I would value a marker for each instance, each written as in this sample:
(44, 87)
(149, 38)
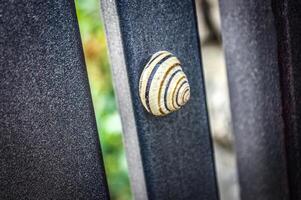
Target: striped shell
(163, 86)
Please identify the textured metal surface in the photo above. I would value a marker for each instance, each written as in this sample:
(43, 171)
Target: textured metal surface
(288, 20)
(49, 148)
(176, 150)
(125, 105)
(250, 43)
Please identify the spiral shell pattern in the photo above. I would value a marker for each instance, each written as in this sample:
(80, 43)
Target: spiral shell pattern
(163, 86)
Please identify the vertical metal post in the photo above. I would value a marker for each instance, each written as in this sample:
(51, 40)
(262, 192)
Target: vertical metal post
(49, 148)
(169, 157)
(250, 43)
(288, 23)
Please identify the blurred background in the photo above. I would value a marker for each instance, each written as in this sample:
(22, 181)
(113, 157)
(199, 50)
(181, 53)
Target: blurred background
(107, 117)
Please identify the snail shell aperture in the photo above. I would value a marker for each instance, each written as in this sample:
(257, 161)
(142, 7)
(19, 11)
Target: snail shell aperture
(163, 86)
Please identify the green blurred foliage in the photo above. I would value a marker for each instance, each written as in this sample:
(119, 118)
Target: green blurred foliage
(107, 117)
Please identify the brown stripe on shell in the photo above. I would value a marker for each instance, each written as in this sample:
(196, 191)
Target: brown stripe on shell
(161, 85)
(184, 93)
(175, 89)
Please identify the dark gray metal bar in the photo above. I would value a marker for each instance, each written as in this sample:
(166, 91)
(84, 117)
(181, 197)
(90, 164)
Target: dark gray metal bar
(171, 155)
(250, 43)
(288, 23)
(49, 148)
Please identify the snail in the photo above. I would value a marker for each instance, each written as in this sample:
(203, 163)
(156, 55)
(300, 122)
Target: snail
(163, 86)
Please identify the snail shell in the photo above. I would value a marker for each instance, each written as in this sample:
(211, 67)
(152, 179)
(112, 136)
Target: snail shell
(163, 86)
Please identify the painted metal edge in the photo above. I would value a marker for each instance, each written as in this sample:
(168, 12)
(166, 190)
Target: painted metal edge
(125, 105)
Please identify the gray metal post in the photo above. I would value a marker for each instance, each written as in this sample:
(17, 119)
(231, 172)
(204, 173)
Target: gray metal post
(250, 43)
(169, 157)
(49, 148)
(288, 22)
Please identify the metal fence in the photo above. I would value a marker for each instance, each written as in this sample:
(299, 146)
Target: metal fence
(49, 147)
